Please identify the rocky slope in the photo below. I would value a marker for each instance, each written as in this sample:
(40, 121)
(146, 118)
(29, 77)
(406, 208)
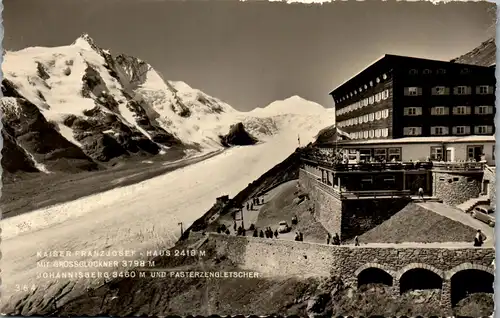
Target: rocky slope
(483, 55)
(238, 136)
(78, 108)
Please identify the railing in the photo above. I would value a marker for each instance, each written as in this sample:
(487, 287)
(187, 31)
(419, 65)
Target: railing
(345, 194)
(377, 193)
(459, 166)
(371, 166)
(408, 165)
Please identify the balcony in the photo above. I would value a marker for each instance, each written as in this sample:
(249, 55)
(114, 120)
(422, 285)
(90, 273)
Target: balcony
(459, 166)
(397, 166)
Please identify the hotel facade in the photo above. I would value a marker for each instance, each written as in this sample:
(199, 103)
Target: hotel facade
(397, 97)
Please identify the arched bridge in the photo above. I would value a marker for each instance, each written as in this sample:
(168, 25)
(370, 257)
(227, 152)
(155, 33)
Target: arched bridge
(455, 269)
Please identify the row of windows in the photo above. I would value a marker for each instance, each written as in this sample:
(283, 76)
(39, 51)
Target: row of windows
(443, 110)
(361, 89)
(457, 90)
(373, 133)
(440, 71)
(436, 152)
(443, 130)
(364, 102)
(381, 114)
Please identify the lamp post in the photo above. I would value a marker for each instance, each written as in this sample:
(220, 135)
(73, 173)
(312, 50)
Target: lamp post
(182, 231)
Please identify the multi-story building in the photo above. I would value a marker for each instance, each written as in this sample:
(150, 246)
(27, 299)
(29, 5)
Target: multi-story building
(399, 96)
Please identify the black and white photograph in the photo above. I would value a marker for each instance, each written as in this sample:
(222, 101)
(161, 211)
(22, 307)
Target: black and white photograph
(225, 157)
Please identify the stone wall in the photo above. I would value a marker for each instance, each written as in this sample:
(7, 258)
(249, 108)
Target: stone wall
(275, 258)
(490, 177)
(327, 208)
(283, 257)
(456, 188)
(348, 218)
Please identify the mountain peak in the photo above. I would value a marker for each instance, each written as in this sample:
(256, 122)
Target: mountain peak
(85, 40)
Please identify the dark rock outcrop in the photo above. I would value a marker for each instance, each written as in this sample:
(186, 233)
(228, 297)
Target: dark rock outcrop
(25, 127)
(238, 136)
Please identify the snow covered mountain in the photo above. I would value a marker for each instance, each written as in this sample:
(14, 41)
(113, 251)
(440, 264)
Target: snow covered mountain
(78, 107)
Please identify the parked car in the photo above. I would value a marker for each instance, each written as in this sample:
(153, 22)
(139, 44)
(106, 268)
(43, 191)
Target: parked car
(484, 214)
(283, 227)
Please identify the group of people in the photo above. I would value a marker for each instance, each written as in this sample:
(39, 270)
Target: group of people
(299, 236)
(335, 240)
(254, 202)
(267, 233)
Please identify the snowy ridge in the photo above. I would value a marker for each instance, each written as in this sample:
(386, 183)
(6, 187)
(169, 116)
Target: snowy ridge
(117, 106)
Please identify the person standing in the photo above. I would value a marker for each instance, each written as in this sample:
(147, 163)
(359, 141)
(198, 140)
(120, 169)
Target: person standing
(479, 238)
(356, 241)
(421, 193)
(328, 237)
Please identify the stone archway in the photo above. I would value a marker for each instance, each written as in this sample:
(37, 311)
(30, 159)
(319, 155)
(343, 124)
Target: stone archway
(469, 279)
(418, 276)
(373, 273)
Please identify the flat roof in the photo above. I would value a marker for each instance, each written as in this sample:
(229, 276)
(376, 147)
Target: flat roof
(385, 56)
(415, 140)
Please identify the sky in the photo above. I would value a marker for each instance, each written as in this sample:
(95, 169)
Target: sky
(252, 53)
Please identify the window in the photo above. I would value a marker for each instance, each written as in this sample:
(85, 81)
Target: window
(439, 110)
(371, 83)
(439, 130)
(371, 133)
(483, 90)
(395, 153)
(412, 131)
(365, 118)
(371, 100)
(412, 111)
(385, 113)
(385, 94)
(371, 117)
(436, 153)
(385, 132)
(378, 133)
(384, 76)
(464, 71)
(461, 90)
(482, 130)
(367, 180)
(439, 90)
(427, 71)
(441, 71)
(380, 153)
(461, 130)
(413, 71)
(411, 91)
(390, 179)
(483, 110)
(378, 115)
(377, 80)
(378, 97)
(365, 134)
(461, 110)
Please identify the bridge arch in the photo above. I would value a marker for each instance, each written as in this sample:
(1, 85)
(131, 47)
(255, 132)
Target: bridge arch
(374, 273)
(469, 279)
(419, 276)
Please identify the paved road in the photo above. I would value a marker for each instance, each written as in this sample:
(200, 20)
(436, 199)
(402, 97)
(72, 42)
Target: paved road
(462, 217)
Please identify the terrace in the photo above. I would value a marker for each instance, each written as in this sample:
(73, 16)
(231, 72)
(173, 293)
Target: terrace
(394, 166)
